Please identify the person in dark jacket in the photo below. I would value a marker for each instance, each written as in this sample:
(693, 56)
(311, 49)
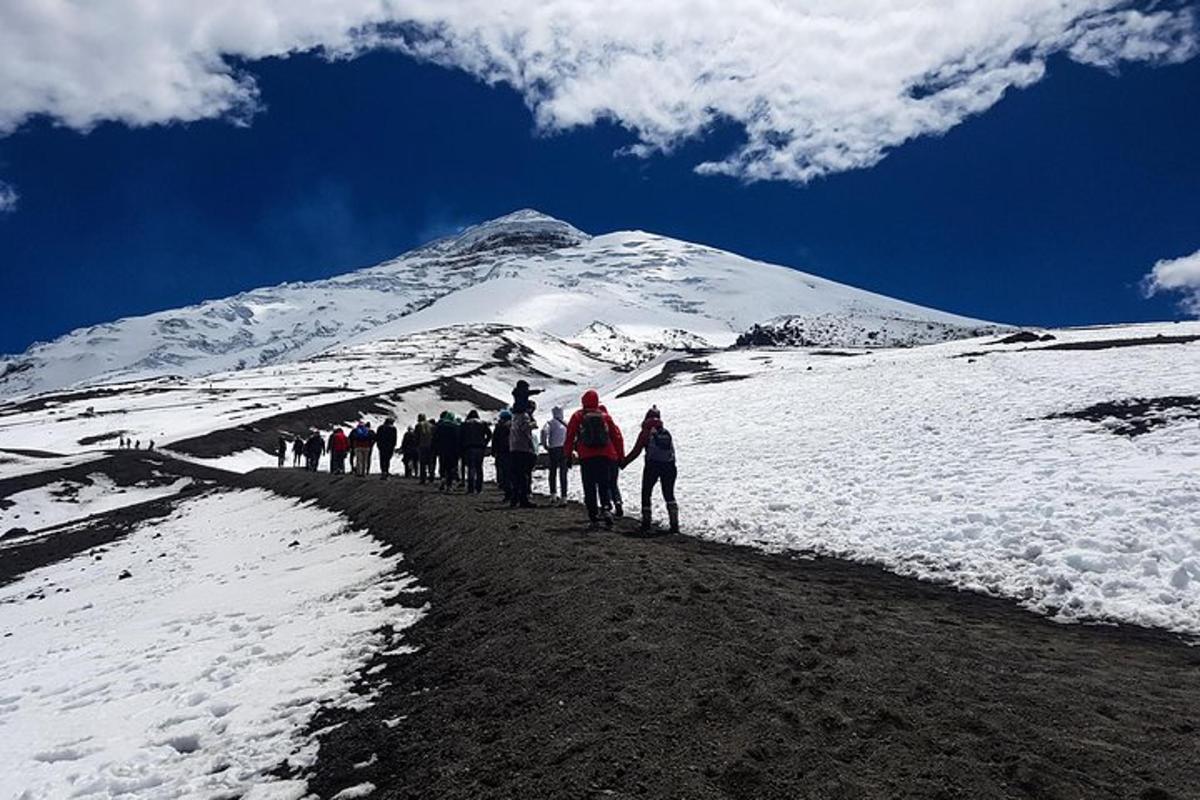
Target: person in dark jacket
(521, 394)
(385, 443)
(522, 456)
(314, 448)
(281, 448)
(659, 466)
(408, 452)
(474, 435)
(425, 455)
(297, 451)
(500, 452)
(596, 438)
(446, 446)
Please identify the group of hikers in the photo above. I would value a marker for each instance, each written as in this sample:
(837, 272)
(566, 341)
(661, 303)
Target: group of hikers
(134, 444)
(451, 452)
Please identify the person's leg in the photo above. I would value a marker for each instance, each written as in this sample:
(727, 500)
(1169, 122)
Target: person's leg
(529, 461)
(604, 487)
(615, 489)
(563, 464)
(553, 456)
(669, 474)
(589, 474)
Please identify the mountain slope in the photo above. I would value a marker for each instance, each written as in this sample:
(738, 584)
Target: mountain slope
(523, 269)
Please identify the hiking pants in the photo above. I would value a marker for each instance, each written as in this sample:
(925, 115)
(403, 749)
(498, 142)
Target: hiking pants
(614, 488)
(385, 461)
(410, 464)
(337, 463)
(596, 474)
(652, 473)
(558, 471)
(448, 465)
(295, 459)
(503, 474)
(522, 475)
(425, 463)
(282, 456)
(362, 461)
(311, 463)
(474, 459)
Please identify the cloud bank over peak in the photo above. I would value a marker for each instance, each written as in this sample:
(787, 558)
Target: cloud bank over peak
(820, 87)
(1177, 275)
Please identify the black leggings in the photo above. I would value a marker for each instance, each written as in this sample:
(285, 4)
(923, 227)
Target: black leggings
(558, 471)
(596, 474)
(522, 464)
(652, 473)
(474, 459)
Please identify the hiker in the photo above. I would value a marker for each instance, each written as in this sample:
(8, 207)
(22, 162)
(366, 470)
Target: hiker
(501, 453)
(314, 448)
(596, 438)
(339, 446)
(659, 466)
(522, 447)
(297, 451)
(521, 394)
(474, 435)
(554, 436)
(362, 438)
(445, 447)
(408, 452)
(424, 433)
(385, 442)
(138, 445)
(281, 448)
(614, 484)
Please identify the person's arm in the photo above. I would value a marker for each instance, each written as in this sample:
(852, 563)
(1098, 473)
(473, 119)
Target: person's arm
(572, 432)
(618, 441)
(636, 451)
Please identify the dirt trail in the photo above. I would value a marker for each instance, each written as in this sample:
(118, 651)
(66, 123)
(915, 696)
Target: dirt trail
(558, 664)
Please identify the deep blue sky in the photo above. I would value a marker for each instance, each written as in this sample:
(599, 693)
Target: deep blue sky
(1046, 210)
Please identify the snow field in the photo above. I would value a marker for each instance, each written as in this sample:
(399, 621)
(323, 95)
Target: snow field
(244, 613)
(66, 501)
(945, 469)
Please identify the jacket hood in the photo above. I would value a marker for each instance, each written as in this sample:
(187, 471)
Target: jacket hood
(591, 399)
(557, 412)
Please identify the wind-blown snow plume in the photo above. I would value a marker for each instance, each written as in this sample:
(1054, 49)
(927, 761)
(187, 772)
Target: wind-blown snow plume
(820, 87)
(8, 198)
(1177, 275)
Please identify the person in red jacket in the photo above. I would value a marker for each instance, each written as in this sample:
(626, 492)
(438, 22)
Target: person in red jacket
(339, 446)
(596, 438)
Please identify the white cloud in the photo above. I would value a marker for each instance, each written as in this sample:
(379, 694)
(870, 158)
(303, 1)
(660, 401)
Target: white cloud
(820, 86)
(1177, 275)
(8, 198)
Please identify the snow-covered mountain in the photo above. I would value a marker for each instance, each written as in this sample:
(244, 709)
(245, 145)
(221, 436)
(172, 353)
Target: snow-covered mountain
(626, 296)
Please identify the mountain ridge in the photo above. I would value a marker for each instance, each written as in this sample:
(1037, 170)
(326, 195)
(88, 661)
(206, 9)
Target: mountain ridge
(524, 268)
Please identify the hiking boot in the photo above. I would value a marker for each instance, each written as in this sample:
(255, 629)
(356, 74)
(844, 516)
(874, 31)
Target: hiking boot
(618, 511)
(645, 521)
(593, 525)
(673, 515)
(608, 520)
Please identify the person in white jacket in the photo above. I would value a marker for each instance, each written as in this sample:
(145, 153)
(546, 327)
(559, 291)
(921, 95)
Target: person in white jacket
(554, 436)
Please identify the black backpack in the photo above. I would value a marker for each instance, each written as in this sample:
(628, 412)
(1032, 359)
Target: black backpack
(593, 430)
(659, 447)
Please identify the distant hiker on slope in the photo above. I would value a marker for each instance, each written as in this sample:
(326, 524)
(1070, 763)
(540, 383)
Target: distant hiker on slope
(281, 448)
(554, 436)
(408, 452)
(385, 441)
(362, 439)
(521, 394)
(474, 435)
(297, 451)
(339, 446)
(522, 448)
(501, 453)
(314, 448)
(596, 438)
(424, 431)
(659, 466)
(445, 446)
